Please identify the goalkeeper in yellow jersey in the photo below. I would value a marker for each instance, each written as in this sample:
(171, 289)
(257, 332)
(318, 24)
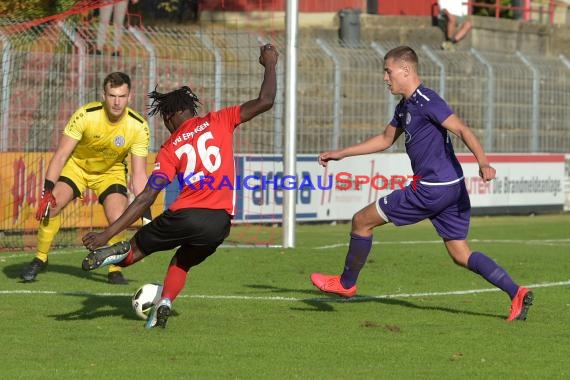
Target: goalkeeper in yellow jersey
(92, 154)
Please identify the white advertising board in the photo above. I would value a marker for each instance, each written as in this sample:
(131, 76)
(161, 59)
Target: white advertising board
(524, 183)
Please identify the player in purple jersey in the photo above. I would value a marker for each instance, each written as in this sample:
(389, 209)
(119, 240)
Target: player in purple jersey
(440, 195)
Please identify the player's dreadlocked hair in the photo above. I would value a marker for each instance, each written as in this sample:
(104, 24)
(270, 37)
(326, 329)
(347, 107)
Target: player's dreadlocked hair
(175, 101)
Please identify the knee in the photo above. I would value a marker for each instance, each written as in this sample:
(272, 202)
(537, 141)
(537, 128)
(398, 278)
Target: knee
(188, 257)
(360, 222)
(356, 220)
(56, 210)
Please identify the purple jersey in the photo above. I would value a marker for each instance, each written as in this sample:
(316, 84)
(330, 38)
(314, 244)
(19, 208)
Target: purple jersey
(428, 144)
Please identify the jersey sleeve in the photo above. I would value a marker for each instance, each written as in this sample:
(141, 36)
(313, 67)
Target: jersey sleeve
(142, 141)
(437, 110)
(164, 165)
(76, 124)
(397, 118)
(228, 117)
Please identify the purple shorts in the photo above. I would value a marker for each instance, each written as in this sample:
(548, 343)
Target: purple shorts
(448, 207)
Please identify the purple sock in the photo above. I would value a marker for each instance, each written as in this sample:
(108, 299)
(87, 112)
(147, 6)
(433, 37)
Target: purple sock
(358, 250)
(490, 271)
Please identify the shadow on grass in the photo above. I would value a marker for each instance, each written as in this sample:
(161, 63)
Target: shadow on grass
(326, 303)
(99, 306)
(13, 272)
(95, 306)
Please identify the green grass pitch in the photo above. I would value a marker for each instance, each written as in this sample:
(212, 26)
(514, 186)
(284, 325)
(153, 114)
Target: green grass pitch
(253, 313)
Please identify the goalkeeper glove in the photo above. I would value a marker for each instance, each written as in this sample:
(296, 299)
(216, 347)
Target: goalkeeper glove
(47, 200)
(146, 217)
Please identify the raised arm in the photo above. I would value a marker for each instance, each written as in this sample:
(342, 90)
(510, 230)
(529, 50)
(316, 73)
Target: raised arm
(250, 109)
(374, 144)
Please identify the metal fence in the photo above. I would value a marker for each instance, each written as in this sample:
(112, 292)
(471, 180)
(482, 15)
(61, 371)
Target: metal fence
(514, 103)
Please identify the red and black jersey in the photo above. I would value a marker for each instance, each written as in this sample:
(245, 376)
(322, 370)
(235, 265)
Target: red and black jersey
(200, 152)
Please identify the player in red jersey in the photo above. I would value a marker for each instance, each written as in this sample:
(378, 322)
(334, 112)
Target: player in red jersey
(199, 219)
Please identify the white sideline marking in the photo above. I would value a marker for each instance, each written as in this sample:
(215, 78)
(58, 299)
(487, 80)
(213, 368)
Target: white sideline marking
(22, 254)
(292, 299)
(505, 241)
(381, 242)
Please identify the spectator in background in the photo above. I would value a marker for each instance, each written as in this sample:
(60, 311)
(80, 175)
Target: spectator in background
(456, 25)
(119, 11)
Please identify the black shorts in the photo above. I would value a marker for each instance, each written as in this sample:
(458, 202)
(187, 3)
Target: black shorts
(195, 229)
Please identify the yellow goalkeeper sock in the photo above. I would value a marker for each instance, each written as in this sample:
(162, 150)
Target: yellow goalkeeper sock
(46, 233)
(114, 240)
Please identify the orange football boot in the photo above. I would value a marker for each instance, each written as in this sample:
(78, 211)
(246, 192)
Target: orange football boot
(520, 304)
(331, 284)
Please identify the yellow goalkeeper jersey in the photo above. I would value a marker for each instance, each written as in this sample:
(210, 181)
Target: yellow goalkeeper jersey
(103, 144)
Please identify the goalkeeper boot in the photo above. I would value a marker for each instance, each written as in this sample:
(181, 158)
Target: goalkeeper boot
(106, 255)
(520, 304)
(116, 278)
(30, 272)
(159, 315)
(332, 284)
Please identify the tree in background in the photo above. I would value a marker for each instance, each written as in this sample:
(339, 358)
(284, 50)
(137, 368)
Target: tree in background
(33, 9)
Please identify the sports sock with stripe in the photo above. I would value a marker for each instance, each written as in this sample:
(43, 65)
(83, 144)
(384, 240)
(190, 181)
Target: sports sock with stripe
(358, 250)
(488, 269)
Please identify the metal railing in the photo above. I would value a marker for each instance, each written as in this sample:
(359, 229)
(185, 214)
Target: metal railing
(526, 11)
(513, 102)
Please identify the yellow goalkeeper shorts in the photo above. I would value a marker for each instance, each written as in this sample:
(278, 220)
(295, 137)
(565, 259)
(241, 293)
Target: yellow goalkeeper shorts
(113, 180)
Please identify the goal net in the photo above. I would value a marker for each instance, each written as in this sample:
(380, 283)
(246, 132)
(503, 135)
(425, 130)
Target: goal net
(51, 65)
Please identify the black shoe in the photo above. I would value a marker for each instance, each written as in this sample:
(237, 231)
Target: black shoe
(116, 278)
(30, 272)
(106, 255)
